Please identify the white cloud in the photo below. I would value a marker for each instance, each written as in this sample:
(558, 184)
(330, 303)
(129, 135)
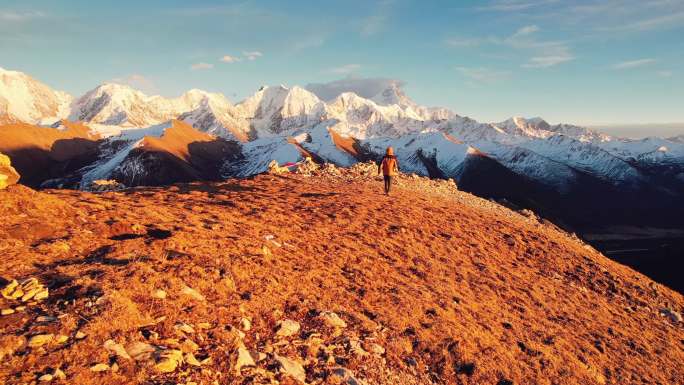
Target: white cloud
(465, 41)
(230, 59)
(201, 66)
(372, 25)
(547, 61)
(483, 74)
(9, 16)
(345, 69)
(364, 87)
(525, 31)
(252, 55)
(310, 41)
(542, 53)
(633, 64)
(376, 22)
(664, 74)
(138, 82)
(656, 22)
(514, 5)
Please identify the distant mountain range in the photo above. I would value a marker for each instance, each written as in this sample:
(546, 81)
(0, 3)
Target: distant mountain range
(576, 175)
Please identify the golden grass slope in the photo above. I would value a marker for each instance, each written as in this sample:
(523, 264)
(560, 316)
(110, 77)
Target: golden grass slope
(432, 288)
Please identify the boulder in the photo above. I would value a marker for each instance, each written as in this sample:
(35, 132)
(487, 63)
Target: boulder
(287, 328)
(291, 368)
(8, 175)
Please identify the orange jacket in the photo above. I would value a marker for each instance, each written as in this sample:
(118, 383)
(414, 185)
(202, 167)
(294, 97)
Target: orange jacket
(389, 165)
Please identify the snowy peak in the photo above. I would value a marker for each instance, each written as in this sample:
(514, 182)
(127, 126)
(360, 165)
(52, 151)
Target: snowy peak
(120, 105)
(24, 99)
(393, 95)
(274, 110)
(539, 128)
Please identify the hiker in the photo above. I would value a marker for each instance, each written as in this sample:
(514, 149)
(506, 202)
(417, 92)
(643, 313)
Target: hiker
(389, 167)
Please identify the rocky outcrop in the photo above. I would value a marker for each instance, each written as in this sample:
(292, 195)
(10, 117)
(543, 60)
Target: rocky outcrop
(8, 175)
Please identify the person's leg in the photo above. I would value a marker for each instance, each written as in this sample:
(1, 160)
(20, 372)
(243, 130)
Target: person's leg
(389, 184)
(386, 178)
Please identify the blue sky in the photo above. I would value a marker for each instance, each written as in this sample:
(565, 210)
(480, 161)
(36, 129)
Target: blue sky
(587, 62)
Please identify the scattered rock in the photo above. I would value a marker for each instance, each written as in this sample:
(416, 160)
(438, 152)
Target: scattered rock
(60, 339)
(185, 328)
(192, 293)
(246, 324)
(189, 346)
(332, 320)
(674, 316)
(244, 359)
(29, 290)
(59, 374)
(99, 368)
(168, 360)
(45, 378)
(287, 328)
(159, 294)
(8, 175)
(117, 349)
(191, 360)
(6, 311)
(140, 351)
(79, 335)
(40, 340)
(102, 185)
(291, 368)
(344, 376)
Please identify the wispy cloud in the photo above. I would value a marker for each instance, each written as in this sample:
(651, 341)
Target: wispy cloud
(376, 22)
(252, 55)
(310, 41)
(483, 74)
(465, 41)
(650, 23)
(345, 69)
(372, 25)
(524, 31)
(230, 59)
(664, 74)
(201, 66)
(138, 82)
(11, 16)
(545, 53)
(542, 53)
(514, 5)
(364, 87)
(633, 64)
(547, 61)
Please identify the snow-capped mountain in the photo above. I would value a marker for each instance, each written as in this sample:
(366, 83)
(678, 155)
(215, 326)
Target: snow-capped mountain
(24, 99)
(567, 163)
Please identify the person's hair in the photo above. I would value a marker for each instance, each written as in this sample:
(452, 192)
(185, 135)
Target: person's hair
(390, 151)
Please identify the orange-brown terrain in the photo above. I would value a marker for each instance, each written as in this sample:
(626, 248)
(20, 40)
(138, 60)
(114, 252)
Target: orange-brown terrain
(39, 153)
(317, 279)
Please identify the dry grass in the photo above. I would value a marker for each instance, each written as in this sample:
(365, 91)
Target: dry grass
(455, 291)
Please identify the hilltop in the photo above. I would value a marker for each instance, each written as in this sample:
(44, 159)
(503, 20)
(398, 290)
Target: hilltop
(319, 279)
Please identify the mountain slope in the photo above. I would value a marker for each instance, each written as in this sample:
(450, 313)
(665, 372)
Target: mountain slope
(42, 153)
(431, 285)
(163, 154)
